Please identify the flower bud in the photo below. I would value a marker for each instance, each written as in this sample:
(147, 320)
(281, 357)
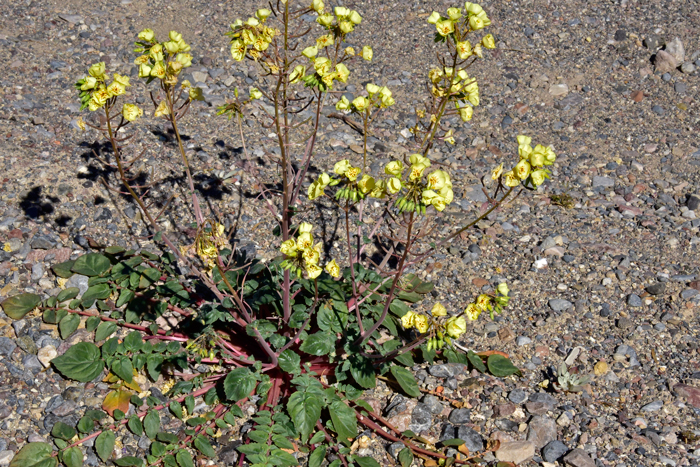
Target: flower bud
(503, 289)
(262, 14)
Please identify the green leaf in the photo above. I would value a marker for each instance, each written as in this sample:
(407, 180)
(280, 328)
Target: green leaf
(135, 425)
(67, 294)
(125, 295)
(92, 322)
(91, 264)
(406, 380)
(500, 366)
(81, 362)
(455, 357)
(344, 421)
(282, 442)
(19, 305)
(452, 442)
(320, 343)
(362, 371)
(68, 325)
(54, 316)
(176, 409)
(86, 424)
(154, 363)
(290, 362)
(332, 319)
(62, 431)
(63, 269)
(238, 384)
(110, 346)
(114, 249)
(305, 409)
(476, 361)
(122, 367)
(104, 330)
(151, 423)
(73, 457)
(129, 461)
(96, 292)
(167, 438)
(366, 461)
(34, 455)
(202, 443)
(282, 458)
(104, 445)
(133, 341)
(317, 456)
(406, 457)
(184, 458)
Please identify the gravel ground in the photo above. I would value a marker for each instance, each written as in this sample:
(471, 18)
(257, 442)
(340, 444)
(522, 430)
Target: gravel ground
(609, 283)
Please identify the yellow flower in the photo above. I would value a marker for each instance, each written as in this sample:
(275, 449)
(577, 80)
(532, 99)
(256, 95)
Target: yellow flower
(255, 93)
(503, 289)
(89, 82)
(355, 17)
(131, 112)
(350, 51)
(476, 23)
(488, 41)
(342, 72)
(305, 241)
(360, 103)
(466, 113)
(510, 179)
(98, 71)
(81, 124)
(184, 59)
(123, 80)
(346, 27)
(324, 41)
(421, 323)
(162, 109)
(522, 169)
(171, 46)
(262, 14)
(333, 269)
(538, 177)
(428, 196)
(418, 159)
(158, 70)
(94, 105)
(305, 227)
(472, 311)
(393, 186)
(434, 17)
(324, 179)
(101, 95)
(196, 94)
(379, 190)
(343, 104)
(407, 320)
(297, 74)
(473, 8)
(445, 27)
(156, 53)
(549, 156)
(322, 65)
(394, 168)
(438, 310)
(454, 13)
(437, 179)
(464, 49)
(456, 326)
(147, 35)
(116, 89)
(141, 59)
(439, 203)
(524, 140)
(341, 11)
(366, 184)
(478, 51)
(317, 6)
(352, 173)
(313, 271)
(367, 53)
(341, 167)
(311, 256)
(483, 301)
(372, 89)
(310, 52)
(252, 21)
(289, 247)
(325, 20)
(238, 50)
(495, 175)
(183, 46)
(537, 159)
(315, 190)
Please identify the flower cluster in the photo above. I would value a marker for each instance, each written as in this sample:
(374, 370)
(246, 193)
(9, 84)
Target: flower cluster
(436, 190)
(377, 96)
(491, 303)
(474, 16)
(251, 38)
(530, 170)
(460, 85)
(207, 244)
(356, 187)
(95, 92)
(162, 60)
(302, 256)
(451, 328)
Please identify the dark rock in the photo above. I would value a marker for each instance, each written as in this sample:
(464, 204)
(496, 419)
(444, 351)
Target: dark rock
(656, 289)
(433, 404)
(634, 300)
(554, 450)
(421, 418)
(540, 403)
(447, 370)
(7, 346)
(472, 439)
(460, 416)
(578, 458)
(517, 396)
(541, 430)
